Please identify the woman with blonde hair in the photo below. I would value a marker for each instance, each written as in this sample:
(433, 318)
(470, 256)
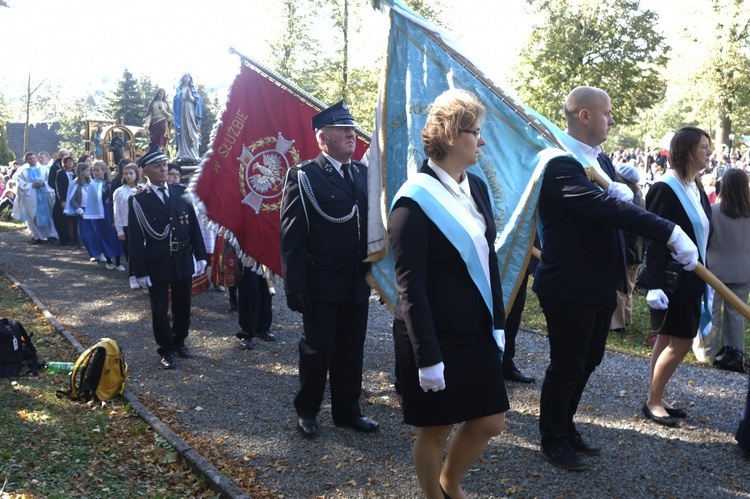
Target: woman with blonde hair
(449, 317)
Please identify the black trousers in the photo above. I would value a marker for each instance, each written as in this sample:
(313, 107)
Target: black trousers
(169, 338)
(254, 311)
(577, 338)
(332, 346)
(61, 223)
(512, 325)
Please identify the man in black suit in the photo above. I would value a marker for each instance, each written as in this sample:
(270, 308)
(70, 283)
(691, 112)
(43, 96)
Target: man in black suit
(323, 245)
(164, 235)
(61, 183)
(582, 266)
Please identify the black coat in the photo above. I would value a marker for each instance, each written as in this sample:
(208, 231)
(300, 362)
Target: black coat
(435, 289)
(152, 257)
(319, 257)
(582, 247)
(662, 200)
(62, 183)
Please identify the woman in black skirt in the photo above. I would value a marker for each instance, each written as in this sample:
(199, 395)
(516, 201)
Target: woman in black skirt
(676, 314)
(449, 317)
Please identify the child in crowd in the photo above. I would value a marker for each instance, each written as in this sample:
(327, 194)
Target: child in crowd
(9, 194)
(91, 202)
(131, 177)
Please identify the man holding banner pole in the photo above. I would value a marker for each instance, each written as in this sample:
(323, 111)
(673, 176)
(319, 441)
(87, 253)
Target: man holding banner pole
(323, 245)
(582, 266)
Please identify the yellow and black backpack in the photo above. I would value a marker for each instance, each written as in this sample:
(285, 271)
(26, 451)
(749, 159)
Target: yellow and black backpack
(99, 373)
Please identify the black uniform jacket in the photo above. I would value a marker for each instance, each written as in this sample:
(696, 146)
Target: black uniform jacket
(322, 255)
(171, 258)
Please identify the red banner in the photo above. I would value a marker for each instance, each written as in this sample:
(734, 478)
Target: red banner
(264, 131)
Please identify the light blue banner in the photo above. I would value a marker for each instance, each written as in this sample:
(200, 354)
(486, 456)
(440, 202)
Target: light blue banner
(422, 63)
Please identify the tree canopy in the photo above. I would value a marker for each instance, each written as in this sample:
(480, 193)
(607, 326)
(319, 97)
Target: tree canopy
(725, 78)
(611, 45)
(128, 104)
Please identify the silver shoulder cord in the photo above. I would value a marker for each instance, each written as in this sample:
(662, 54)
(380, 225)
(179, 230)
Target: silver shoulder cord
(308, 190)
(143, 222)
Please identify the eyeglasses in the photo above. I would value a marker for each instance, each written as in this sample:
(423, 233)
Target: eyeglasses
(476, 133)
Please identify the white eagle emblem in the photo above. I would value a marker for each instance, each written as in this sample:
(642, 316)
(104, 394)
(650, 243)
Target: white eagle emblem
(269, 173)
(263, 173)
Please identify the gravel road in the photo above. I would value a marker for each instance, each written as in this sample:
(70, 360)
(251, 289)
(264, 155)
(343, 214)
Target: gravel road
(242, 400)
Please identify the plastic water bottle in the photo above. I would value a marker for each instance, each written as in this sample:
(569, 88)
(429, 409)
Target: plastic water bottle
(59, 367)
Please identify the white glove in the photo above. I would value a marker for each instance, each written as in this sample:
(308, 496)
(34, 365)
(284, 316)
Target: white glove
(200, 267)
(620, 191)
(431, 378)
(656, 299)
(79, 211)
(499, 335)
(685, 250)
(144, 282)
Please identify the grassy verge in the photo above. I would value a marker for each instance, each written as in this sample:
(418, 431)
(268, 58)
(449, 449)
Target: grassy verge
(56, 448)
(632, 341)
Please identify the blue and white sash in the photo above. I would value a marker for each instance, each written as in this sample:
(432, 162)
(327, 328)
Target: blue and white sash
(68, 210)
(695, 220)
(94, 205)
(456, 224)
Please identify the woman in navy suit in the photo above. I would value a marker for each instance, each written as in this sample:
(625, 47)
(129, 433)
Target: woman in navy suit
(677, 196)
(449, 317)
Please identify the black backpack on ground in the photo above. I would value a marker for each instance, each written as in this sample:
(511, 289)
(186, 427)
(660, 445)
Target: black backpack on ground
(16, 350)
(731, 359)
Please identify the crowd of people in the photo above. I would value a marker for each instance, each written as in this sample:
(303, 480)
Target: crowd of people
(686, 208)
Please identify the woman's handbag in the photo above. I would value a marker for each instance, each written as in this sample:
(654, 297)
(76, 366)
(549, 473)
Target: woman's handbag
(671, 277)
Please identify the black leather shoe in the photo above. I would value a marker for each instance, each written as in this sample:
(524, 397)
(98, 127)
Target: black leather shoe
(578, 444)
(564, 457)
(167, 362)
(675, 412)
(361, 424)
(266, 336)
(308, 427)
(184, 352)
(246, 344)
(662, 420)
(516, 375)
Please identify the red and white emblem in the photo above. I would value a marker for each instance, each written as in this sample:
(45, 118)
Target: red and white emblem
(262, 171)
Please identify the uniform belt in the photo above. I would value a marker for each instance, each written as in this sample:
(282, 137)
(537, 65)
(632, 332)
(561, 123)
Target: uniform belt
(178, 245)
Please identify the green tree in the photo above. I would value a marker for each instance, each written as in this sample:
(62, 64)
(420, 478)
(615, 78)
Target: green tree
(210, 111)
(295, 45)
(146, 91)
(126, 103)
(652, 124)
(330, 77)
(726, 99)
(612, 45)
(6, 155)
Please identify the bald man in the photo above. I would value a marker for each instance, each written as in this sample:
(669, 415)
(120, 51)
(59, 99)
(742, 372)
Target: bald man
(582, 267)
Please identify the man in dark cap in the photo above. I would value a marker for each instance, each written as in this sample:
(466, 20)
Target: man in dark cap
(323, 245)
(164, 235)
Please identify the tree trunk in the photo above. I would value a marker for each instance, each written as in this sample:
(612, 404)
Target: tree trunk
(26, 127)
(723, 124)
(345, 63)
